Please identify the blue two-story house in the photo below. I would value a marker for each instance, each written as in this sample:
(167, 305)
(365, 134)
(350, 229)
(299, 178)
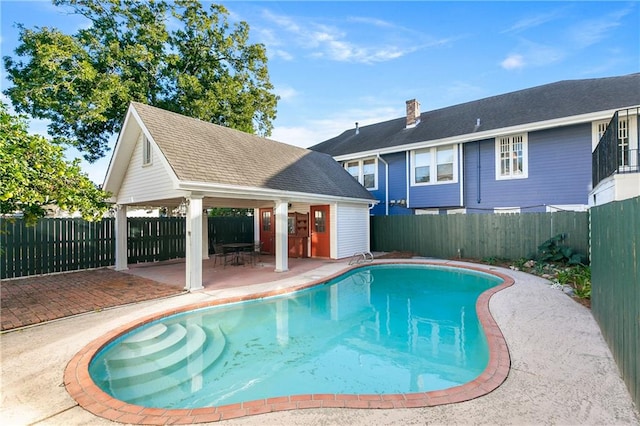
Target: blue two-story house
(524, 151)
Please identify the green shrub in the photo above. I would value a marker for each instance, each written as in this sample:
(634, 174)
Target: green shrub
(578, 277)
(552, 250)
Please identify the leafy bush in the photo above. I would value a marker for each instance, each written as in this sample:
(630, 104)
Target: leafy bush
(578, 277)
(490, 260)
(552, 250)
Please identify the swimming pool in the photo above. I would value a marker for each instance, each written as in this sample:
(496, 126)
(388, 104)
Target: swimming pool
(380, 322)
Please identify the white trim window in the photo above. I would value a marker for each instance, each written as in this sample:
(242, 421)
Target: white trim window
(623, 142)
(147, 153)
(434, 165)
(512, 157)
(597, 131)
(364, 171)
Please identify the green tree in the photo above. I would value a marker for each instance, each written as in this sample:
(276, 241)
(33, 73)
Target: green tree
(174, 55)
(34, 175)
(229, 212)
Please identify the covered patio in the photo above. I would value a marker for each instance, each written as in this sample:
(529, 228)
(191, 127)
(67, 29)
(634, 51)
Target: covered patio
(217, 276)
(163, 159)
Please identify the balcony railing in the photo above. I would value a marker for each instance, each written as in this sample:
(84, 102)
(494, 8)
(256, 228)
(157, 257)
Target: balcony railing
(614, 153)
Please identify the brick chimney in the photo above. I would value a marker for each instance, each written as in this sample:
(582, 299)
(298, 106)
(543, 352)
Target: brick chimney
(413, 113)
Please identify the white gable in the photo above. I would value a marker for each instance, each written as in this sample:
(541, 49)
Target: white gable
(146, 182)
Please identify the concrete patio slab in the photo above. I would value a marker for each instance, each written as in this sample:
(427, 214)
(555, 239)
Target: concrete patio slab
(562, 371)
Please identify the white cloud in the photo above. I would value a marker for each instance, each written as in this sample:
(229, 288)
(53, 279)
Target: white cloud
(532, 22)
(592, 31)
(332, 42)
(313, 131)
(285, 92)
(279, 53)
(540, 54)
(294, 135)
(371, 21)
(512, 62)
(533, 55)
(273, 44)
(283, 22)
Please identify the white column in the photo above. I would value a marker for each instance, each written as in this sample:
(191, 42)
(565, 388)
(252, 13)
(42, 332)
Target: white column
(256, 226)
(205, 235)
(121, 238)
(281, 238)
(193, 260)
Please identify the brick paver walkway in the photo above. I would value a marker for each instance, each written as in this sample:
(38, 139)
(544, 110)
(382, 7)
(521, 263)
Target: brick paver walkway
(33, 300)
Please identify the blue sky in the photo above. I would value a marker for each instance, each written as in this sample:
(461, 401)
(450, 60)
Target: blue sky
(335, 63)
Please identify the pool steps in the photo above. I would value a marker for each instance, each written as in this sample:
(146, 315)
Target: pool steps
(170, 340)
(161, 358)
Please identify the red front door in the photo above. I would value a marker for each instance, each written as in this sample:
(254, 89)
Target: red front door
(320, 241)
(267, 229)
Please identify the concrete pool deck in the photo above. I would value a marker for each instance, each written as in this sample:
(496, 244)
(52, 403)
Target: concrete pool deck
(561, 369)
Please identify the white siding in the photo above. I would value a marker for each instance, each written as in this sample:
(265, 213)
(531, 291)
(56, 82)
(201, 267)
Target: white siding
(299, 207)
(146, 183)
(352, 226)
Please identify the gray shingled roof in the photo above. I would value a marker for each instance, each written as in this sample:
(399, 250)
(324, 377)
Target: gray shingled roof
(204, 152)
(541, 103)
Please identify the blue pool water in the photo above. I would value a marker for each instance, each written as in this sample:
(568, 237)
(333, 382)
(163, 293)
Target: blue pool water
(383, 329)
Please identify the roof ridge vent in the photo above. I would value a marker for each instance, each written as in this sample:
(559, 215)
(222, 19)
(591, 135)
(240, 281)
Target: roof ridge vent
(413, 113)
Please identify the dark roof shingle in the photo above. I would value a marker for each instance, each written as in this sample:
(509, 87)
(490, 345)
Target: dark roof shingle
(541, 103)
(199, 151)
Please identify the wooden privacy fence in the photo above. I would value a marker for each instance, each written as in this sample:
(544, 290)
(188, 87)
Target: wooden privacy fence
(54, 245)
(58, 245)
(615, 284)
(507, 236)
(156, 239)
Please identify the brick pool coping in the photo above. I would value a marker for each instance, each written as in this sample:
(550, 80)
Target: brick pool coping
(90, 397)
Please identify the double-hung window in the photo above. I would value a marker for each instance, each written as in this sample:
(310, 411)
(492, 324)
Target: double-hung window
(598, 130)
(434, 165)
(623, 142)
(512, 157)
(364, 171)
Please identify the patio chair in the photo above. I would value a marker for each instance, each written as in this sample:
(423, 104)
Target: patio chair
(253, 253)
(220, 254)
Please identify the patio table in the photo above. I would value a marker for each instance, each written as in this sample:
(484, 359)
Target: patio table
(236, 248)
